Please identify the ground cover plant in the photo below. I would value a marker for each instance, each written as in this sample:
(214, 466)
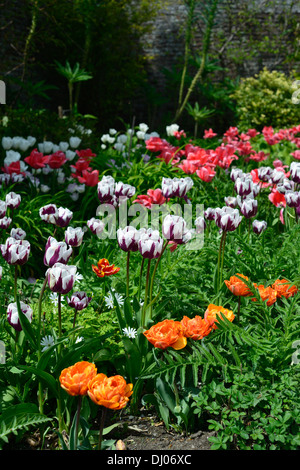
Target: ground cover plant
(154, 271)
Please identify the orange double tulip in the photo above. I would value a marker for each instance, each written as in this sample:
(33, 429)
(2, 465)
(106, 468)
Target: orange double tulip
(266, 293)
(167, 333)
(237, 286)
(195, 328)
(75, 379)
(110, 392)
(214, 311)
(284, 288)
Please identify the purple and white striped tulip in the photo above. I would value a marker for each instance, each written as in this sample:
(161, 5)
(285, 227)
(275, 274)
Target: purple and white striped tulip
(249, 208)
(227, 219)
(243, 186)
(74, 236)
(18, 233)
(176, 187)
(124, 190)
(15, 252)
(150, 244)
(174, 228)
(292, 198)
(63, 217)
(56, 252)
(259, 226)
(79, 300)
(5, 222)
(13, 200)
(13, 314)
(3, 208)
(48, 213)
(61, 278)
(128, 238)
(295, 172)
(96, 226)
(106, 189)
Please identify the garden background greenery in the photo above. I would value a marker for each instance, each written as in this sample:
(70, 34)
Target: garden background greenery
(83, 119)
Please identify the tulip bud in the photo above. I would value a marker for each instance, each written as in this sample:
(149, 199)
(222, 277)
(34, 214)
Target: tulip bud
(292, 199)
(48, 213)
(106, 189)
(124, 190)
(5, 222)
(61, 278)
(56, 252)
(96, 226)
(63, 217)
(236, 173)
(227, 219)
(249, 208)
(295, 172)
(264, 173)
(18, 233)
(13, 200)
(200, 224)
(243, 186)
(174, 228)
(15, 252)
(79, 300)
(230, 201)
(209, 214)
(259, 226)
(74, 236)
(13, 314)
(128, 238)
(150, 244)
(176, 187)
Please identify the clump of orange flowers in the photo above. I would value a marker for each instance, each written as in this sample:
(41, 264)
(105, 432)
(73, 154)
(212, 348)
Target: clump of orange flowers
(103, 268)
(82, 379)
(213, 312)
(111, 392)
(165, 334)
(280, 288)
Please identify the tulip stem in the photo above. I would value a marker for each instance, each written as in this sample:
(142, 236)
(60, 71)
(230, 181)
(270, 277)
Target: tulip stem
(104, 410)
(39, 339)
(140, 280)
(154, 272)
(16, 282)
(59, 320)
(77, 419)
(221, 260)
(127, 274)
(146, 293)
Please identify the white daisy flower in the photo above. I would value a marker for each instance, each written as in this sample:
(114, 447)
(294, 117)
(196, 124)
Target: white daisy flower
(46, 342)
(130, 332)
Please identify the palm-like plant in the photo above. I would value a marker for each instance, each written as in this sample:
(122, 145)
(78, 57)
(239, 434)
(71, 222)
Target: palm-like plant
(73, 75)
(198, 114)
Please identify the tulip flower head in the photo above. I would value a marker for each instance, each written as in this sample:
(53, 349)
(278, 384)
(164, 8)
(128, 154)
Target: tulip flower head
(74, 236)
(195, 328)
(13, 314)
(266, 293)
(56, 252)
(284, 288)
(61, 278)
(174, 228)
(79, 300)
(165, 334)
(176, 187)
(75, 379)
(150, 244)
(249, 208)
(13, 200)
(18, 233)
(227, 219)
(110, 392)
(213, 312)
(96, 226)
(259, 226)
(237, 286)
(15, 252)
(128, 238)
(3, 208)
(48, 213)
(63, 217)
(295, 172)
(104, 269)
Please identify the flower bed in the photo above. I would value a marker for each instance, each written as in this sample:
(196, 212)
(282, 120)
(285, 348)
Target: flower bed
(156, 272)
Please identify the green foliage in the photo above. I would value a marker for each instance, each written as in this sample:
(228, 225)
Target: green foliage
(266, 100)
